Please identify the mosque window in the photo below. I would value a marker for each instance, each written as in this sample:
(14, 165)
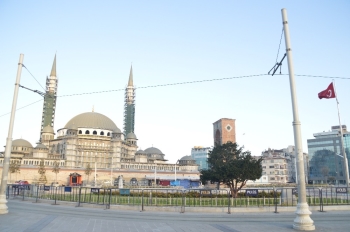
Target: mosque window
(108, 134)
(80, 132)
(95, 132)
(102, 133)
(87, 132)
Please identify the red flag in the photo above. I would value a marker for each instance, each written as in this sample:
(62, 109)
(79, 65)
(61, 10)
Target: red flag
(328, 93)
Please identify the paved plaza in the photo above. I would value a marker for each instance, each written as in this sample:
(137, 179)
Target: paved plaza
(27, 216)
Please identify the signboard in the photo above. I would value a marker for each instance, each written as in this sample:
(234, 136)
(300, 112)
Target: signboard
(294, 191)
(46, 188)
(341, 190)
(124, 191)
(206, 193)
(68, 189)
(95, 190)
(251, 192)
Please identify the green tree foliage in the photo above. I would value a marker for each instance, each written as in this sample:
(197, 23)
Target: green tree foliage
(56, 169)
(229, 165)
(88, 171)
(42, 171)
(14, 167)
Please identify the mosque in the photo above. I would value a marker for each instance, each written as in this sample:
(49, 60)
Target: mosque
(93, 140)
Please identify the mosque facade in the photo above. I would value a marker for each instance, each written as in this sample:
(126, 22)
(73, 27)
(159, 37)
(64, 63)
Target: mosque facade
(92, 139)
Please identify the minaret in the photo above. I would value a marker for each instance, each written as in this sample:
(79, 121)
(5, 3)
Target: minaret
(49, 106)
(129, 107)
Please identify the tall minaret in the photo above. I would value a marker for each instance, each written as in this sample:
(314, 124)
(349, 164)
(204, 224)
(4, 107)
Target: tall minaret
(129, 107)
(49, 107)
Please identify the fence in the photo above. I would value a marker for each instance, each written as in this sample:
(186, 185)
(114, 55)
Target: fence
(172, 197)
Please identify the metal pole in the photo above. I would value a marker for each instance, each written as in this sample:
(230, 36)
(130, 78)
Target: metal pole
(7, 155)
(346, 167)
(302, 220)
(175, 172)
(112, 172)
(95, 172)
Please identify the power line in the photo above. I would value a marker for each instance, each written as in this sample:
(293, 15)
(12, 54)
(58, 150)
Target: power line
(33, 76)
(184, 83)
(22, 107)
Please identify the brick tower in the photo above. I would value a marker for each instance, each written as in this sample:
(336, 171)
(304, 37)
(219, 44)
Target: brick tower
(224, 130)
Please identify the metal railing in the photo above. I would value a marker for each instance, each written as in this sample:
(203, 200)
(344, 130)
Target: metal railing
(183, 198)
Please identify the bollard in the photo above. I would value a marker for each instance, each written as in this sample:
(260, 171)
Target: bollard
(55, 197)
(142, 209)
(79, 198)
(321, 199)
(37, 194)
(275, 199)
(183, 203)
(229, 202)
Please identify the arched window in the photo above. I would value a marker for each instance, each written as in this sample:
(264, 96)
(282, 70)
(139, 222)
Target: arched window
(80, 132)
(102, 133)
(108, 134)
(87, 132)
(95, 132)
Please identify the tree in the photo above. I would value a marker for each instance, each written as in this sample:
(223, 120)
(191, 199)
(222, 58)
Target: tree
(42, 171)
(88, 171)
(228, 164)
(14, 167)
(56, 169)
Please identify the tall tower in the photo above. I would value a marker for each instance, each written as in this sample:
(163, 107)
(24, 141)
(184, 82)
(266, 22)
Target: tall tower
(49, 106)
(129, 106)
(224, 131)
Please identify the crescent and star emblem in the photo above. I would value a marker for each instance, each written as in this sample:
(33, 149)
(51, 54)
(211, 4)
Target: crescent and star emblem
(329, 93)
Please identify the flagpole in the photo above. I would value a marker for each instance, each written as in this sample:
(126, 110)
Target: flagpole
(302, 220)
(346, 167)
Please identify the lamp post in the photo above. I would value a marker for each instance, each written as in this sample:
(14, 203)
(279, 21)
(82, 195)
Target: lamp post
(112, 171)
(7, 155)
(175, 170)
(302, 220)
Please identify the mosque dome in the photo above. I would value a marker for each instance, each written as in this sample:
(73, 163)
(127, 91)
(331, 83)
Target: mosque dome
(140, 152)
(21, 143)
(153, 150)
(40, 146)
(92, 120)
(187, 157)
(117, 131)
(48, 129)
(131, 136)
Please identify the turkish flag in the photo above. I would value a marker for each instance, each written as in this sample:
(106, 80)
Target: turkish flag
(328, 93)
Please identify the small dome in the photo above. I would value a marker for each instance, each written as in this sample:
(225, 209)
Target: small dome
(40, 146)
(21, 143)
(187, 157)
(153, 150)
(117, 131)
(92, 120)
(73, 127)
(131, 136)
(48, 129)
(140, 152)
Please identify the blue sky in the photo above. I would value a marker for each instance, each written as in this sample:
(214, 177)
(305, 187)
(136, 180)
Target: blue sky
(178, 41)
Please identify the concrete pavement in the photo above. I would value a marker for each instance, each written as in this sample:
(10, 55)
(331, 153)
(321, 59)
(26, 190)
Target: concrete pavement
(27, 216)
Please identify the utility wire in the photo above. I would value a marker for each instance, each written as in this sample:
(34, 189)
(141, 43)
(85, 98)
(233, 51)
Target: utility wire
(22, 107)
(183, 83)
(279, 46)
(33, 77)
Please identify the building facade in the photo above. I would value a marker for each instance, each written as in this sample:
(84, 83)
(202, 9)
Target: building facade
(92, 139)
(200, 155)
(326, 158)
(224, 130)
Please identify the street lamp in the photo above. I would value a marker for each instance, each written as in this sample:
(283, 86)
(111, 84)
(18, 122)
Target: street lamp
(175, 169)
